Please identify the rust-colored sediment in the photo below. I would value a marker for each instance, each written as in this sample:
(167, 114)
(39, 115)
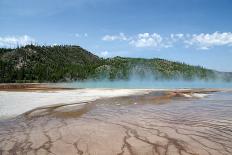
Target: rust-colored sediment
(30, 87)
(133, 125)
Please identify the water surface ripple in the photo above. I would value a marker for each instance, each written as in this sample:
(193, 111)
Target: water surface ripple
(152, 124)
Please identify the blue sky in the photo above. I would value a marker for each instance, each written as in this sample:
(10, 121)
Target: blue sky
(197, 32)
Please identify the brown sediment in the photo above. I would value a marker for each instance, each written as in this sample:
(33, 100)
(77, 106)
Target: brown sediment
(77, 109)
(30, 87)
(60, 110)
(118, 126)
(156, 97)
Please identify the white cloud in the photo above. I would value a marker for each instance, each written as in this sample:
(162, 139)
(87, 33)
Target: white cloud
(13, 41)
(140, 40)
(206, 41)
(147, 40)
(121, 36)
(202, 41)
(104, 53)
(176, 37)
(173, 39)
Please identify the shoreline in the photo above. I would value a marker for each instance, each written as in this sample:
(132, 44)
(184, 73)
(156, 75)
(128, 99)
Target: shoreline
(33, 97)
(30, 87)
(52, 86)
(29, 98)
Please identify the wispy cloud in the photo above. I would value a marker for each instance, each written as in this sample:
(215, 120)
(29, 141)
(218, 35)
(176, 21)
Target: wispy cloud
(78, 35)
(176, 37)
(120, 36)
(202, 41)
(141, 40)
(13, 41)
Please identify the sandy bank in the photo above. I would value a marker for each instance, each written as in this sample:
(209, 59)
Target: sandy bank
(20, 100)
(16, 99)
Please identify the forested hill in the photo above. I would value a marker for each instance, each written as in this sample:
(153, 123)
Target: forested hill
(65, 63)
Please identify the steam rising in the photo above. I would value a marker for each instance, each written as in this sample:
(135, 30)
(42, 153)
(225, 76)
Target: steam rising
(142, 76)
(147, 84)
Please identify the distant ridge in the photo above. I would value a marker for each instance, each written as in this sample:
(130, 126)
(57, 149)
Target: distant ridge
(66, 63)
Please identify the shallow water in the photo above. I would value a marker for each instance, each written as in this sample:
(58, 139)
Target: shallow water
(152, 124)
(147, 84)
(15, 103)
